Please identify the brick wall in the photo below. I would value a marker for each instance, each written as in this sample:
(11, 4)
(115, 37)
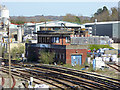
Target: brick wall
(33, 53)
(83, 52)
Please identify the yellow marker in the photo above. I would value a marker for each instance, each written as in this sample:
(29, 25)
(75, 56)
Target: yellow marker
(83, 29)
(11, 40)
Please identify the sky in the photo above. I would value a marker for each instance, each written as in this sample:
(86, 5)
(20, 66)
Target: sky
(56, 7)
(59, 0)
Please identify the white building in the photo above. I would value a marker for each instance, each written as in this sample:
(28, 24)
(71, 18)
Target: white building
(57, 25)
(29, 28)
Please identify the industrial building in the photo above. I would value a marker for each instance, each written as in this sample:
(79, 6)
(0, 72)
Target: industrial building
(111, 29)
(57, 25)
(69, 43)
(4, 15)
(58, 41)
(29, 28)
(15, 32)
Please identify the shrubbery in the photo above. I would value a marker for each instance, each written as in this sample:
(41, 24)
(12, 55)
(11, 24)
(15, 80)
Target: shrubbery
(99, 46)
(46, 57)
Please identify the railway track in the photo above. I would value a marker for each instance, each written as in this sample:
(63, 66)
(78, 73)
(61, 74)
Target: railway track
(64, 78)
(108, 83)
(89, 76)
(79, 71)
(26, 74)
(117, 65)
(114, 66)
(3, 81)
(68, 77)
(58, 80)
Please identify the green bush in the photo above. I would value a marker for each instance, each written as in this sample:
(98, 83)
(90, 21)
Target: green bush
(17, 51)
(46, 57)
(99, 46)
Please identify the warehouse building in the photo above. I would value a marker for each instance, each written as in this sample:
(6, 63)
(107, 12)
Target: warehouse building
(29, 28)
(111, 29)
(57, 25)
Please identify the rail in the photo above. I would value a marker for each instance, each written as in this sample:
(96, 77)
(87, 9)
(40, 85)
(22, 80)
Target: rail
(65, 77)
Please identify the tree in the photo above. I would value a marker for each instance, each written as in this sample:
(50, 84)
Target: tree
(18, 20)
(69, 18)
(33, 20)
(105, 9)
(99, 11)
(46, 57)
(43, 19)
(16, 52)
(119, 12)
(101, 14)
(73, 18)
(114, 15)
(78, 20)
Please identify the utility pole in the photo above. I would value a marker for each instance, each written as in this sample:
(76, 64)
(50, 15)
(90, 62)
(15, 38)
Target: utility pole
(95, 26)
(6, 19)
(9, 57)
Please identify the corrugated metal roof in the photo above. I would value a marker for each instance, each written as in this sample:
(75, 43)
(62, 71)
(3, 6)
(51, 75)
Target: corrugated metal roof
(58, 24)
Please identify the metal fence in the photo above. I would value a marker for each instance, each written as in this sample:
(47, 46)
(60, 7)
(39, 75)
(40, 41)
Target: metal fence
(90, 40)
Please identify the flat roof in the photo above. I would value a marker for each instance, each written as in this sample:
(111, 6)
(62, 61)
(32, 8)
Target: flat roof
(55, 24)
(109, 22)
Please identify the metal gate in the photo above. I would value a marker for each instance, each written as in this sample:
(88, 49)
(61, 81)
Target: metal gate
(76, 59)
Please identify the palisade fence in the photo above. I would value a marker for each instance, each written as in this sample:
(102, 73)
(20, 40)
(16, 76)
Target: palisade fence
(90, 40)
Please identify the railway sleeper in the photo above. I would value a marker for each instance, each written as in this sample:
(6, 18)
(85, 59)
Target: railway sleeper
(46, 77)
(99, 86)
(103, 81)
(102, 86)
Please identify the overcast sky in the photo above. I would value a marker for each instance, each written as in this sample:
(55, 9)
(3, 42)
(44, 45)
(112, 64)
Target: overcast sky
(56, 7)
